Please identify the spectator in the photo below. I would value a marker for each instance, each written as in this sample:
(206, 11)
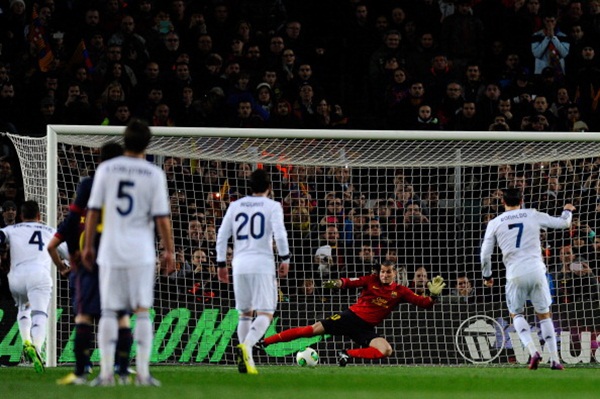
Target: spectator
(283, 117)
(288, 66)
(403, 115)
(246, 117)
(14, 22)
(450, 104)
(374, 235)
(511, 71)
(253, 62)
(105, 72)
(120, 115)
(265, 15)
(467, 118)
(550, 47)
(587, 81)
(167, 53)
(463, 291)
(418, 59)
(276, 47)
(419, 281)
(305, 107)
(396, 90)
(462, 35)
(330, 254)
(9, 108)
(426, 119)
(133, 45)
(378, 74)
(330, 117)
(540, 108)
(264, 99)
(162, 116)
(200, 51)
(9, 214)
(365, 261)
(473, 84)
(437, 77)
(488, 104)
(293, 38)
(591, 22)
(576, 280)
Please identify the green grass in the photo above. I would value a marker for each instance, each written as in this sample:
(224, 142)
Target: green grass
(324, 382)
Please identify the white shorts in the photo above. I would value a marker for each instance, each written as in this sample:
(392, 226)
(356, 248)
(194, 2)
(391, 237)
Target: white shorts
(31, 287)
(255, 292)
(126, 289)
(532, 286)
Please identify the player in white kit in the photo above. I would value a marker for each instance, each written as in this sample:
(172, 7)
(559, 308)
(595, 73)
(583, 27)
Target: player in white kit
(131, 193)
(253, 221)
(30, 278)
(517, 232)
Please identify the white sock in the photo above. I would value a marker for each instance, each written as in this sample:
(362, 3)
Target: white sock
(143, 336)
(243, 327)
(524, 331)
(24, 322)
(108, 332)
(38, 329)
(549, 336)
(257, 331)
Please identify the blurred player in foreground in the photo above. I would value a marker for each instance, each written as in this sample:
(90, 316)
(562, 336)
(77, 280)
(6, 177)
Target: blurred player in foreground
(253, 221)
(380, 295)
(85, 291)
(131, 193)
(517, 232)
(30, 278)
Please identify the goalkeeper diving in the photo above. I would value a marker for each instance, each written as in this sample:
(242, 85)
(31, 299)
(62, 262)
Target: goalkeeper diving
(379, 297)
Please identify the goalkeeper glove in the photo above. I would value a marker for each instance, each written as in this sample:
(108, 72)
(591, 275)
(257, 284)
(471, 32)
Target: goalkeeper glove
(330, 284)
(436, 286)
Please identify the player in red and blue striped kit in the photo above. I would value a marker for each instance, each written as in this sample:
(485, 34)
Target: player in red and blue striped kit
(379, 297)
(85, 292)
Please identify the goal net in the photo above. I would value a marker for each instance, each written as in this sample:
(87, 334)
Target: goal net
(352, 199)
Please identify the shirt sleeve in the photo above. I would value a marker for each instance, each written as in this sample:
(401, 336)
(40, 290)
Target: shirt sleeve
(96, 199)
(82, 196)
(561, 222)
(223, 235)
(279, 231)
(161, 198)
(487, 249)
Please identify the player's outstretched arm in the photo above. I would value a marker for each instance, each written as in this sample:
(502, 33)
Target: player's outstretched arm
(88, 255)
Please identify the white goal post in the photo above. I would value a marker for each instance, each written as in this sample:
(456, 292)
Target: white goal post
(351, 198)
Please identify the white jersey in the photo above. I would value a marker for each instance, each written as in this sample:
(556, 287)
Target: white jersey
(518, 235)
(253, 222)
(27, 243)
(130, 192)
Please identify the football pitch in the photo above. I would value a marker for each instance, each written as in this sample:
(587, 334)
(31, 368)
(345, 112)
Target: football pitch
(327, 382)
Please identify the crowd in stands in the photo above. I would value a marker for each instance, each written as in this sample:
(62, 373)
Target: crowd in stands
(418, 64)
(468, 65)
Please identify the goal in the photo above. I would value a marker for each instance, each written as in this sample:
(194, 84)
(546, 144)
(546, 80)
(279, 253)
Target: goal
(351, 199)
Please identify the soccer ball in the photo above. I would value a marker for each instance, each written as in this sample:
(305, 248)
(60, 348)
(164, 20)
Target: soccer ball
(307, 358)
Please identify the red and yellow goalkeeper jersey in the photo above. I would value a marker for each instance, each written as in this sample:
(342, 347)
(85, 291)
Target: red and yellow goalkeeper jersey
(377, 300)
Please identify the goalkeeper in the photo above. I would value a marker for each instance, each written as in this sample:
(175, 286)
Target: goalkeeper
(379, 297)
